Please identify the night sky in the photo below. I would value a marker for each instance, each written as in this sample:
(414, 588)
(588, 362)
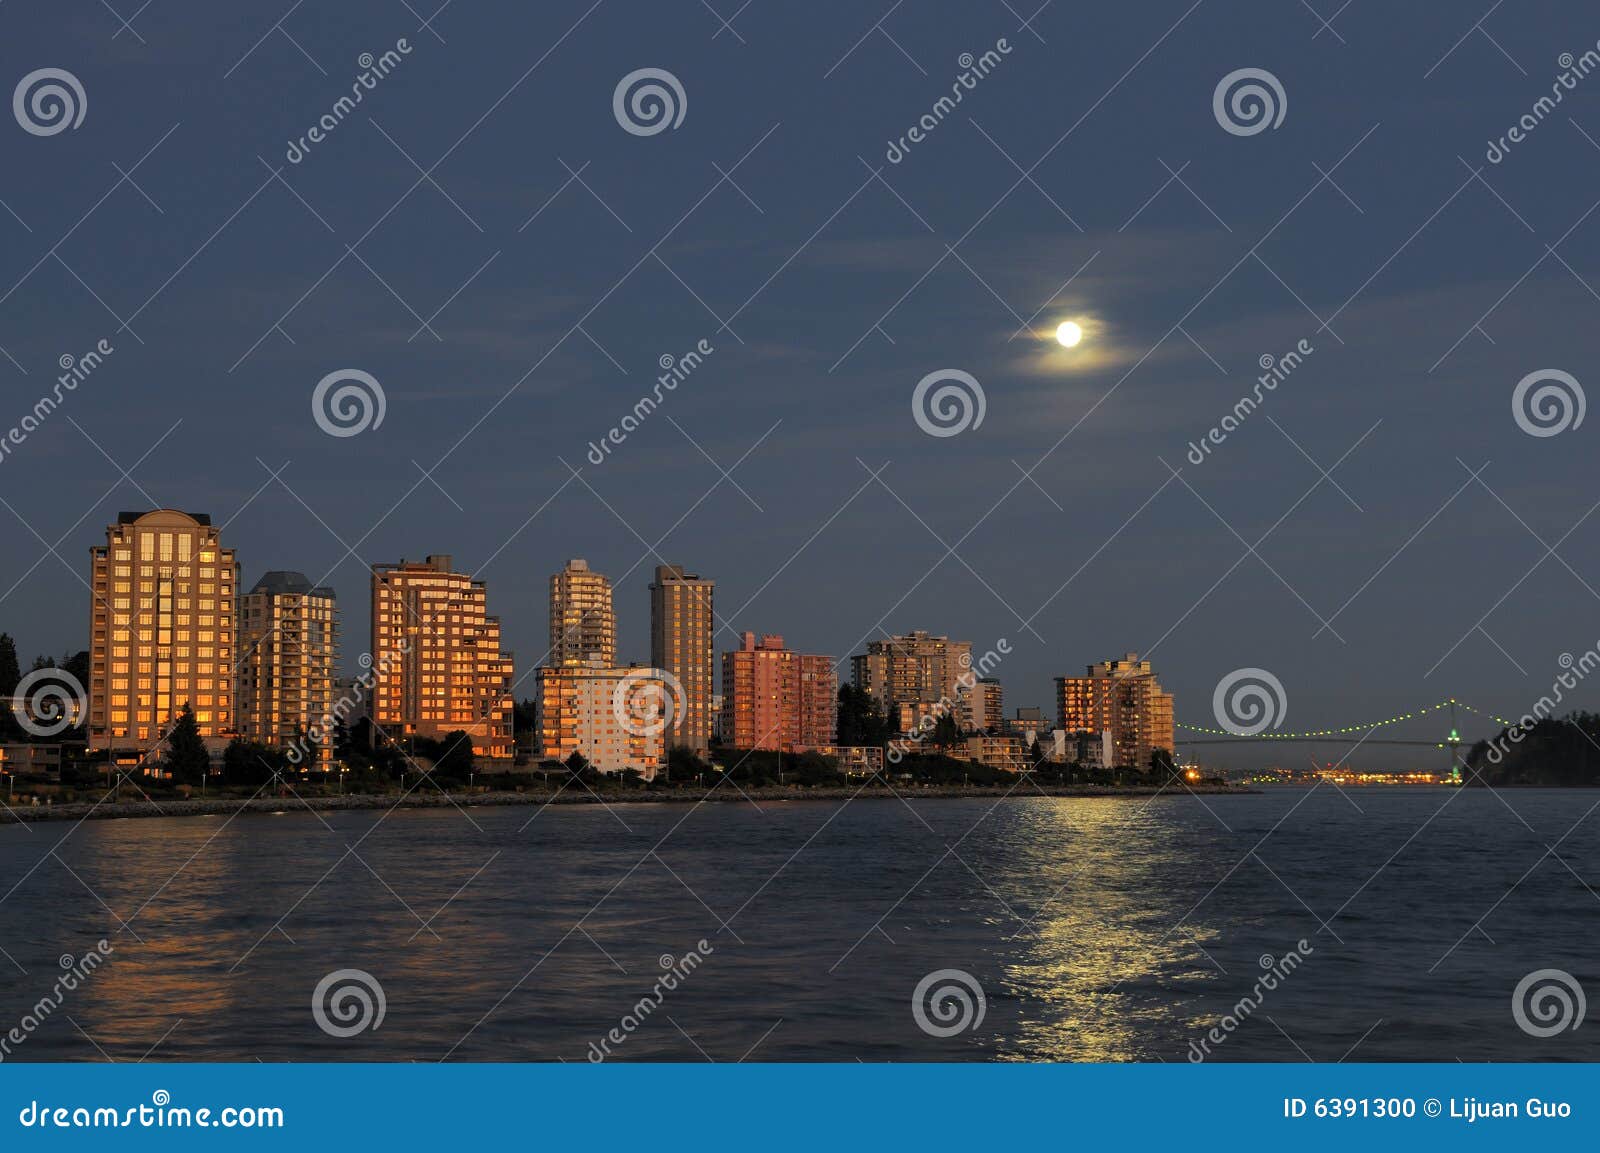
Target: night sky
(515, 303)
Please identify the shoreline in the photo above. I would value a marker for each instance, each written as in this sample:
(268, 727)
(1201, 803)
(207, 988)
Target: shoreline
(227, 806)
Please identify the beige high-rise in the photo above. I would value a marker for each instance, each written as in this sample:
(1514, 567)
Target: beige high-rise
(161, 630)
(1122, 698)
(288, 652)
(911, 674)
(582, 625)
(437, 665)
(681, 630)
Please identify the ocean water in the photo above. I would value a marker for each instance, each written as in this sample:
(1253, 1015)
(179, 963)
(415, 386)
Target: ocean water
(1097, 929)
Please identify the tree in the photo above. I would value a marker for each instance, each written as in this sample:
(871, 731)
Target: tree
(249, 764)
(1162, 766)
(946, 733)
(10, 675)
(861, 721)
(455, 756)
(187, 759)
(684, 764)
(343, 746)
(77, 665)
(577, 764)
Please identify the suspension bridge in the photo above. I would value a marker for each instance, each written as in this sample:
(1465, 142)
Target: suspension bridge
(1350, 736)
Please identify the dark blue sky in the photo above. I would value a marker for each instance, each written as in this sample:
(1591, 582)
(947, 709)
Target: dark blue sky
(547, 334)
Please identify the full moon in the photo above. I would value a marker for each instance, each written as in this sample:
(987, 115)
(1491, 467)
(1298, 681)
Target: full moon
(1069, 333)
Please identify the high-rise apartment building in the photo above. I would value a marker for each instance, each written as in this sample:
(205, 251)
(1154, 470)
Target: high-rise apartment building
(582, 625)
(288, 652)
(773, 698)
(437, 666)
(985, 706)
(915, 675)
(681, 630)
(161, 630)
(1122, 698)
(614, 718)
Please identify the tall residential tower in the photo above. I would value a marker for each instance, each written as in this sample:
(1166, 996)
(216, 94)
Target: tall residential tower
(681, 630)
(288, 650)
(161, 630)
(1123, 699)
(582, 625)
(436, 658)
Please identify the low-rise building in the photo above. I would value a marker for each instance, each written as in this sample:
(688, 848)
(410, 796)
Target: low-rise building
(1008, 754)
(24, 760)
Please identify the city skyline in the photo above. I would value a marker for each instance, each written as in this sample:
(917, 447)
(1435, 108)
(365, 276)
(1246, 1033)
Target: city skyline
(550, 328)
(901, 672)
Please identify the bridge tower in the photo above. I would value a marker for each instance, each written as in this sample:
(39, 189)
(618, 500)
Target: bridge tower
(1453, 744)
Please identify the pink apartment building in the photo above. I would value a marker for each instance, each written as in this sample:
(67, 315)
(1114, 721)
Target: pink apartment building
(773, 698)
